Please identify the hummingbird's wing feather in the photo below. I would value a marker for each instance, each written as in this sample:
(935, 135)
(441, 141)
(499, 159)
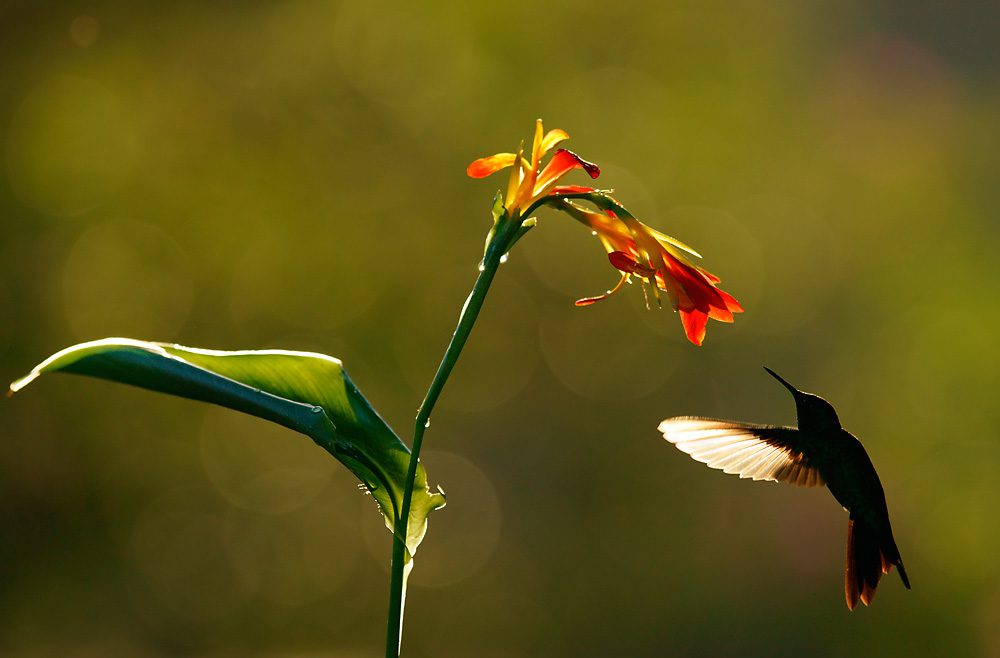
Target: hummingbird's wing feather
(761, 452)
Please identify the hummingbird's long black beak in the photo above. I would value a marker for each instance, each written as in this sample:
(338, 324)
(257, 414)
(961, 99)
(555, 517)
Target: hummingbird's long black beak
(791, 388)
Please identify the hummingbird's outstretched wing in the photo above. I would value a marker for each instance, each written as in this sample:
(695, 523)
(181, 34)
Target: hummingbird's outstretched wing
(761, 452)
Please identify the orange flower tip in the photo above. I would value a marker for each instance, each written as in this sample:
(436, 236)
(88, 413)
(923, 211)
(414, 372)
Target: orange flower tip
(586, 301)
(592, 169)
(714, 280)
(695, 332)
(483, 167)
(478, 169)
(695, 323)
(722, 315)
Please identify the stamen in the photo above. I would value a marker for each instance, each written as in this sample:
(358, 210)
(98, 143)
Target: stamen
(587, 301)
(656, 290)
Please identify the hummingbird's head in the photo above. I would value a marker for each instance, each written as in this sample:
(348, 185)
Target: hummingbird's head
(813, 411)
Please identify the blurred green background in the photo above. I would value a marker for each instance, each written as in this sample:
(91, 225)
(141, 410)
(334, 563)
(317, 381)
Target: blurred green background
(244, 175)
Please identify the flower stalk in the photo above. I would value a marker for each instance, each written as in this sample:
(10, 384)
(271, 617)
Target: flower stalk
(634, 249)
(506, 231)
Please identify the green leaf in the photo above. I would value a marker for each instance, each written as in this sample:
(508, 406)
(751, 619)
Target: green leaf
(499, 213)
(309, 393)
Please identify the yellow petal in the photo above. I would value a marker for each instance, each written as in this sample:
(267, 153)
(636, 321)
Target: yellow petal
(673, 241)
(536, 146)
(552, 138)
(516, 176)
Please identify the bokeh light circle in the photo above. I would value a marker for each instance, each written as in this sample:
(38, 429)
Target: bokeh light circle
(179, 547)
(127, 278)
(603, 352)
(300, 556)
(70, 146)
(260, 466)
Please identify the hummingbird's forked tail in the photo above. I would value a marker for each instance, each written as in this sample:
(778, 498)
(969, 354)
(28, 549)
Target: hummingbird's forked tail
(868, 557)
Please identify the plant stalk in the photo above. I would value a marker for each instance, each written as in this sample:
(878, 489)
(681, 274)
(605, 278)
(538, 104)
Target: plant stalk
(497, 248)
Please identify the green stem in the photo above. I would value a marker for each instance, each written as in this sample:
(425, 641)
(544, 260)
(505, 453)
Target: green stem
(497, 248)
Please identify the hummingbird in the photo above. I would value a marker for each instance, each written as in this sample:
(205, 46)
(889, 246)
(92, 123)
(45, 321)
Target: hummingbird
(818, 452)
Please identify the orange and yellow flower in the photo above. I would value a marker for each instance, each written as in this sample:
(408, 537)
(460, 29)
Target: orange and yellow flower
(634, 249)
(528, 184)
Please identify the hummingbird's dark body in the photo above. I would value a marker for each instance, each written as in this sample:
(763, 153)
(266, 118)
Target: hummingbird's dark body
(818, 452)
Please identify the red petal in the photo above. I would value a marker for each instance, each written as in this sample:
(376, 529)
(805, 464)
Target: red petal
(703, 294)
(711, 277)
(625, 263)
(592, 169)
(571, 189)
(483, 167)
(694, 325)
(698, 298)
(560, 164)
(731, 302)
(728, 301)
(720, 314)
